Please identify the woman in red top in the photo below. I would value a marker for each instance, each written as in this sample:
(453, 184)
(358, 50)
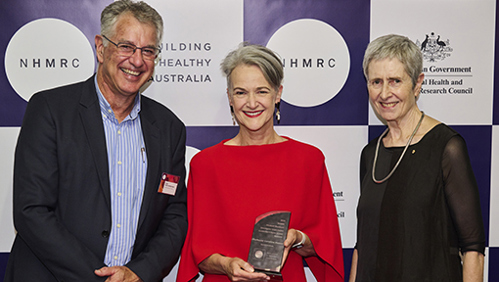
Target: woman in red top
(258, 171)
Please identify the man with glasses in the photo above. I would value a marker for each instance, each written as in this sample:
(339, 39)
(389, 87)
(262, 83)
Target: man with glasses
(99, 177)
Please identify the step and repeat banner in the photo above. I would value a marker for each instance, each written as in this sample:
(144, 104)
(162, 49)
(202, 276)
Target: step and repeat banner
(45, 44)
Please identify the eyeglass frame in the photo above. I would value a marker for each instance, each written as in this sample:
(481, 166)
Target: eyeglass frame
(157, 50)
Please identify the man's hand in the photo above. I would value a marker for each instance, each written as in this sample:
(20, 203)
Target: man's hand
(118, 274)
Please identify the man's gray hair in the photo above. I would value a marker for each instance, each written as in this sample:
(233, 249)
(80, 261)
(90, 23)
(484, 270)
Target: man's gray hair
(140, 10)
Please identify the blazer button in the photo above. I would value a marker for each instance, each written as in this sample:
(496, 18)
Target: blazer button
(105, 233)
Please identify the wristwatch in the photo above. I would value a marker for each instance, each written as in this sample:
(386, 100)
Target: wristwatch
(300, 244)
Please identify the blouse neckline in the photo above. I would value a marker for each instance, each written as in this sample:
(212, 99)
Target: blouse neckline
(420, 141)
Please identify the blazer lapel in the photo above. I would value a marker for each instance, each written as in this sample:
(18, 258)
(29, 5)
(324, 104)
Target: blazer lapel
(152, 139)
(91, 118)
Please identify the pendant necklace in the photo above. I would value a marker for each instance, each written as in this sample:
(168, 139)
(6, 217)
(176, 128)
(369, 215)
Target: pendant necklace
(401, 156)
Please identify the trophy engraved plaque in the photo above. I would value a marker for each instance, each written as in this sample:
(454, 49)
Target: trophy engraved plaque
(267, 243)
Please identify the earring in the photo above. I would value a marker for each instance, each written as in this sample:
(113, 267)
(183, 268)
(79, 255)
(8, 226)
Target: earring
(232, 113)
(278, 112)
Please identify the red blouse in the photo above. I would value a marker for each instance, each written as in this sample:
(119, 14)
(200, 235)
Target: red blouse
(229, 186)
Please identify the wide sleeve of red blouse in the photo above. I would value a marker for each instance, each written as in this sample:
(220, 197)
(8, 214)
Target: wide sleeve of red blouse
(202, 239)
(324, 232)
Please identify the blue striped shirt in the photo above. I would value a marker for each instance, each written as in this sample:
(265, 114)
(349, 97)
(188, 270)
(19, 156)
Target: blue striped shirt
(127, 173)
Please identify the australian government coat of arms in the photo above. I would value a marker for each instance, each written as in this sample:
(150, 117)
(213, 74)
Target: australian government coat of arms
(434, 48)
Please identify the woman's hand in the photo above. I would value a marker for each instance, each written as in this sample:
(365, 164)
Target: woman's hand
(235, 268)
(294, 236)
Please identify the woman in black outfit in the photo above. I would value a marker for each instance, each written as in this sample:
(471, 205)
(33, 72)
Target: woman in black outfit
(419, 216)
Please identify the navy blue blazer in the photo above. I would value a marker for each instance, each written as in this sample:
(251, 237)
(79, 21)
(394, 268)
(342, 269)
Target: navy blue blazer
(62, 196)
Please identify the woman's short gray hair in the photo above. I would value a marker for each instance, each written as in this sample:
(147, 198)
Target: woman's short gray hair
(140, 10)
(257, 55)
(395, 46)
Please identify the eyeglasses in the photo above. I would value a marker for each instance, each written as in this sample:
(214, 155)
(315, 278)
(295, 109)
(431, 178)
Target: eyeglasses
(126, 49)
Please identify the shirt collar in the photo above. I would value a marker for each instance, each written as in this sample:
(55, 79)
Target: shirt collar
(108, 111)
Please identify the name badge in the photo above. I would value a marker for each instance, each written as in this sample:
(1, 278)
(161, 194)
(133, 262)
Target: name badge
(168, 184)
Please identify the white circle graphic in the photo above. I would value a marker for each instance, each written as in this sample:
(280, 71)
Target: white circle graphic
(47, 53)
(316, 61)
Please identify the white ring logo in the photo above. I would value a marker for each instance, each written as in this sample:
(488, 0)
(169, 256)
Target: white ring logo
(316, 61)
(47, 53)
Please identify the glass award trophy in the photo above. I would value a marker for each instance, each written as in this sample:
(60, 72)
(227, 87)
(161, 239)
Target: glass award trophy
(267, 244)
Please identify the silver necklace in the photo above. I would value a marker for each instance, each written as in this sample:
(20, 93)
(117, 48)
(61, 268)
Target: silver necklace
(401, 156)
